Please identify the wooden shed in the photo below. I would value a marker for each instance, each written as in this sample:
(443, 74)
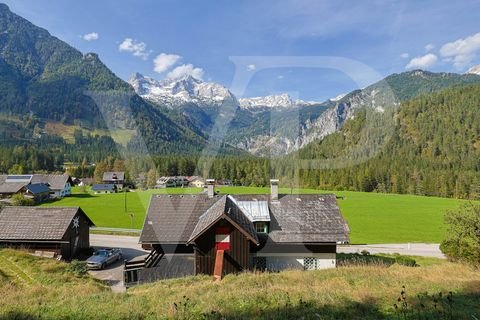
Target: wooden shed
(63, 231)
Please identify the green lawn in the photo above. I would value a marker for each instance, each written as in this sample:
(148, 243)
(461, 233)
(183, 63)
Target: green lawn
(372, 217)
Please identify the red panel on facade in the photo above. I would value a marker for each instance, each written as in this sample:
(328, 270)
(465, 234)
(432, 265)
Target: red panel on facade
(223, 245)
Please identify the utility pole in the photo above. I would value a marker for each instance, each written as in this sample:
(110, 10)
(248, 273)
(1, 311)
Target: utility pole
(126, 189)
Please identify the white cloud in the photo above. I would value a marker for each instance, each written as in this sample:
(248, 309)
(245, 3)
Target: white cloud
(165, 61)
(429, 47)
(186, 70)
(251, 67)
(462, 51)
(138, 49)
(422, 62)
(280, 77)
(91, 36)
(404, 55)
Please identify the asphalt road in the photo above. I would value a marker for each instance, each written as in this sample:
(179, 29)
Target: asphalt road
(411, 249)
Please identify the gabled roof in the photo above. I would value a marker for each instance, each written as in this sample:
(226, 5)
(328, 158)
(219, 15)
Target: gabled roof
(226, 209)
(54, 181)
(172, 218)
(293, 218)
(104, 187)
(114, 175)
(37, 188)
(208, 218)
(36, 223)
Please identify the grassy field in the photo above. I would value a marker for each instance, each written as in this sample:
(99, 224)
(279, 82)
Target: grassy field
(34, 288)
(372, 217)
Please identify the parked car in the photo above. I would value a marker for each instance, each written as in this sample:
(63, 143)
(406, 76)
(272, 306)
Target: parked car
(103, 257)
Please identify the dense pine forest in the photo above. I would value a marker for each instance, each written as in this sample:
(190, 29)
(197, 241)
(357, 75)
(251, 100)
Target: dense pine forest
(434, 150)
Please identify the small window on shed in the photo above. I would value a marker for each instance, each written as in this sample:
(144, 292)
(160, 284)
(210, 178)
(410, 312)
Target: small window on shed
(261, 227)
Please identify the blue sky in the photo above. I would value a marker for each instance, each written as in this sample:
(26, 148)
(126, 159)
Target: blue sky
(199, 37)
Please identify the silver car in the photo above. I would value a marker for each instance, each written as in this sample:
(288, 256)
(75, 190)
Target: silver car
(103, 257)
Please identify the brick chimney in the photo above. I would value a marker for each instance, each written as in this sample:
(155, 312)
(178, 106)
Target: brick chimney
(274, 189)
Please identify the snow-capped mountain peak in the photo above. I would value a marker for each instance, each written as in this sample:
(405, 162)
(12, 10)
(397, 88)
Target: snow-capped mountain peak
(273, 101)
(474, 70)
(174, 92)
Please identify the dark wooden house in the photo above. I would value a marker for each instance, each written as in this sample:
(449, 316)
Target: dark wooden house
(225, 234)
(63, 231)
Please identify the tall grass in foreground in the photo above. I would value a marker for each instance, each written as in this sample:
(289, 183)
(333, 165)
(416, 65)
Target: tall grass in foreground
(51, 291)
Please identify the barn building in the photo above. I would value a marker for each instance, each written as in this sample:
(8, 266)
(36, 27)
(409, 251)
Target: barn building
(221, 234)
(63, 231)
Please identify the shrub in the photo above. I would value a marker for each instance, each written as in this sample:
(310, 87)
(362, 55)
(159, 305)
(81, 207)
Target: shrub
(405, 261)
(462, 242)
(20, 200)
(79, 268)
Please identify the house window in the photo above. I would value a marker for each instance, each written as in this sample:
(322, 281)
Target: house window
(261, 227)
(310, 263)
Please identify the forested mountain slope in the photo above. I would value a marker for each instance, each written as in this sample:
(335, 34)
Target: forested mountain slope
(45, 78)
(433, 149)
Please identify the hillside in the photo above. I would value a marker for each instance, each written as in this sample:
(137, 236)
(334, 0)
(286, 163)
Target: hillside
(432, 148)
(45, 78)
(36, 288)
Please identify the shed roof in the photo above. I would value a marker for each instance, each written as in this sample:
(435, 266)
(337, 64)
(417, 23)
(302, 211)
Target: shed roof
(37, 188)
(36, 223)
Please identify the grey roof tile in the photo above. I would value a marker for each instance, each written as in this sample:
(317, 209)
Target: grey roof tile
(54, 181)
(172, 218)
(36, 223)
(294, 218)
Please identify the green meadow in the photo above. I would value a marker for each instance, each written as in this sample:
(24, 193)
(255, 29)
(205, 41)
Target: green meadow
(372, 217)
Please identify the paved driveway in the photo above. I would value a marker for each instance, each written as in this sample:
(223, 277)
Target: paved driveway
(113, 274)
